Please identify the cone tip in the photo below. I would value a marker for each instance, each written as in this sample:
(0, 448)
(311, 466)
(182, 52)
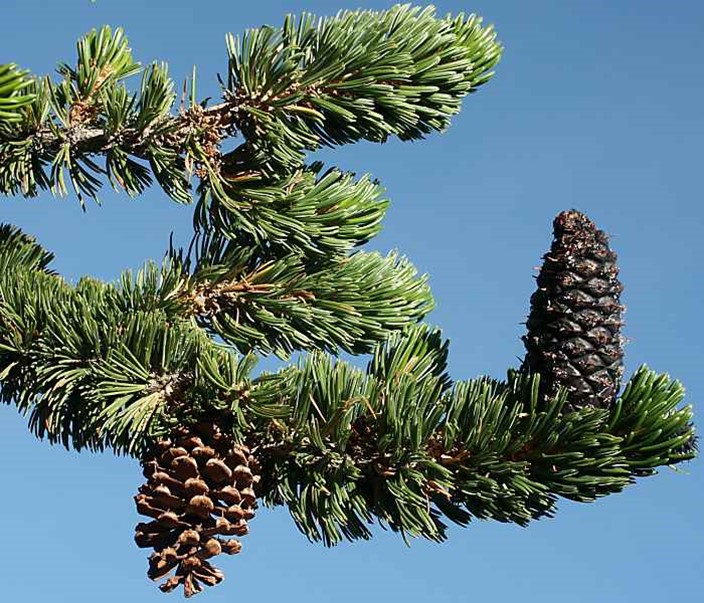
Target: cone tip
(572, 220)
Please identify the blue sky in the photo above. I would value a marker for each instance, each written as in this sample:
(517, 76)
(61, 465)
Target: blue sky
(596, 105)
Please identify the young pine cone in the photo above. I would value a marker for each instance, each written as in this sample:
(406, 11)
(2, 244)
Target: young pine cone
(573, 338)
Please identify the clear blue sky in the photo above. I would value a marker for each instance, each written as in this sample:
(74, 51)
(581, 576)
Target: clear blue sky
(596, 105)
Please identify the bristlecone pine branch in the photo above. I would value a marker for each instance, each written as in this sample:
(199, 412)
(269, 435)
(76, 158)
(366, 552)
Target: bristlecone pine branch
(200, 486)
(573, 338)
(159, 365)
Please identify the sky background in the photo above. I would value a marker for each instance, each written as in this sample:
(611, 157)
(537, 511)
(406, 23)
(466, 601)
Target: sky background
(596, 105)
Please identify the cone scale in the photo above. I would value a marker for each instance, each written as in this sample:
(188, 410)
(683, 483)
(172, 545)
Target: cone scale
(574, 328)
(199, 493)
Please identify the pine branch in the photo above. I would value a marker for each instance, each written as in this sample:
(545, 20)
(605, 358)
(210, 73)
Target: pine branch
(359, 75)
(281, 306)
(340, 446)
(96, 365)
(404, 447)
(83, 361)
(100, 366)
(321, 216)
(134, 366)
(289, 90)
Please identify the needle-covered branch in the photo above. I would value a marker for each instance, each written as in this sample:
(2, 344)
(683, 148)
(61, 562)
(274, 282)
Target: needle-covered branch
(399, 443)
(88, 362)
(98, 365)
(160, 364)
(321, 215)
(361, 75)
(358, 75)
(284, 305)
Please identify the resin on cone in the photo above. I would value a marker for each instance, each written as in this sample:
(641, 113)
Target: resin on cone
(199, 489)
(574, 339)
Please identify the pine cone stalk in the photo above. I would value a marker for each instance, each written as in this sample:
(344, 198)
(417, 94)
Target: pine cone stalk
(199, 489)
(573, 338)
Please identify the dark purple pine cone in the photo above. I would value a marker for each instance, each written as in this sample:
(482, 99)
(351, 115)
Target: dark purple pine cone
(574, 325)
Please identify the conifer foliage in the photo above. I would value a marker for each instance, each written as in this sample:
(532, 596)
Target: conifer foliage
(160, 365)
